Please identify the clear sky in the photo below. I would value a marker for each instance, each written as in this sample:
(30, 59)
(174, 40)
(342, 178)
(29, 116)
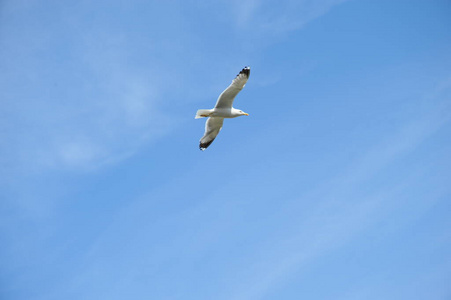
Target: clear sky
(337, 186)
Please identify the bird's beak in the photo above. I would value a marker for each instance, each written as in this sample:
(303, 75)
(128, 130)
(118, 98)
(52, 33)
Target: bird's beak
(246, 114)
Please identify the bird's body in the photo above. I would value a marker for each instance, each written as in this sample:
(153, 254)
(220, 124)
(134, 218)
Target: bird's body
(223, 109)
(221, 112)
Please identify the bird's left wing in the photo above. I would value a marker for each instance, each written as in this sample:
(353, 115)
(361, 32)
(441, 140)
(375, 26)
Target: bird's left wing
(212, 128)
(225, 100)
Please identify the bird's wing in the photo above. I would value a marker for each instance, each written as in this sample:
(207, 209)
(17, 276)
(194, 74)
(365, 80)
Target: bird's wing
(225, 100)
(212, 128)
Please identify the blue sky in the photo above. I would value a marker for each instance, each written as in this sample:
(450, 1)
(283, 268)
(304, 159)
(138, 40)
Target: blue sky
(337, 186)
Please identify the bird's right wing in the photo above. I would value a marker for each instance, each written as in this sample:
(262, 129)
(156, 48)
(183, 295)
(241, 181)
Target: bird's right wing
(212, 128)
(225, 100)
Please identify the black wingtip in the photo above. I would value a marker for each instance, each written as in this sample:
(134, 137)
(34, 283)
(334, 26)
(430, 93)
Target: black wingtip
(246, 70)
(203, 146)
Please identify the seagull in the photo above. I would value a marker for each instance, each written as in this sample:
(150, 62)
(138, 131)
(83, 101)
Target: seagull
(223, 109)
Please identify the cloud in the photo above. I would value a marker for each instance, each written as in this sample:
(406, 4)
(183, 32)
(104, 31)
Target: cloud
(276, 17)
(72, 98)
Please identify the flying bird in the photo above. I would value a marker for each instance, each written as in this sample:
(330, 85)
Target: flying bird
(223, 109)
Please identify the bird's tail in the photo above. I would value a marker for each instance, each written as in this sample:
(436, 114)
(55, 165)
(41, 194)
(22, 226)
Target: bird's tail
(202, 113)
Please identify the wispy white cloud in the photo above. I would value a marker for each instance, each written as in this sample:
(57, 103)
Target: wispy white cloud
(84, 104)
(275, 17)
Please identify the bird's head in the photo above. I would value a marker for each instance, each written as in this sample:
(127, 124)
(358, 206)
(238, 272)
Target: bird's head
(242, 113)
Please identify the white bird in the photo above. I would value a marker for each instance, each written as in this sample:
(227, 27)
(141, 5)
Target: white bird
(223, 109)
